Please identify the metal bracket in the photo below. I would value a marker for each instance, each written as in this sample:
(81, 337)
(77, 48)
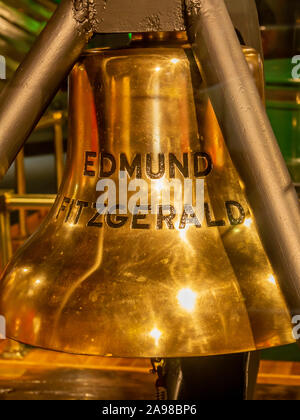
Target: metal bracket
(117, 16)
(85, 15)
(109, 16)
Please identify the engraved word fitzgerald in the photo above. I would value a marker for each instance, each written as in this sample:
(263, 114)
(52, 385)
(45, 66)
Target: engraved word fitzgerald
(78, 211)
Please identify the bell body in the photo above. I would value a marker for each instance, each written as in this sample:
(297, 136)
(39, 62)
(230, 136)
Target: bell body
(145, 285)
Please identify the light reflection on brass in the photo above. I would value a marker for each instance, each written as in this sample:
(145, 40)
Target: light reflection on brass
(187, 299)
(248, 222)
(81, 286)
(156, 334)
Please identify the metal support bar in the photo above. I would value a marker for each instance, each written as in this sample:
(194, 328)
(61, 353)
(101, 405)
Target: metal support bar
(29, 201)
(5, 236)
(59, 147)
(38, 78)
(21, 189)
(49, 119)
(250, 140)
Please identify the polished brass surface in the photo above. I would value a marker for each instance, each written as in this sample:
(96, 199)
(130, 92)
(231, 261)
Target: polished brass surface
(81, 285)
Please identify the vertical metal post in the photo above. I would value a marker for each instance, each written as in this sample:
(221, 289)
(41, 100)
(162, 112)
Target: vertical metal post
(21, 189)
(5, 236)
(59, 148)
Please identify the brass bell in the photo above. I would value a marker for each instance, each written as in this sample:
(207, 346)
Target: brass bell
(153, 284)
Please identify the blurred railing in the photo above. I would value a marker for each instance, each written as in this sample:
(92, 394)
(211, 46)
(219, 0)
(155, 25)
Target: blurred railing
(20, 201)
